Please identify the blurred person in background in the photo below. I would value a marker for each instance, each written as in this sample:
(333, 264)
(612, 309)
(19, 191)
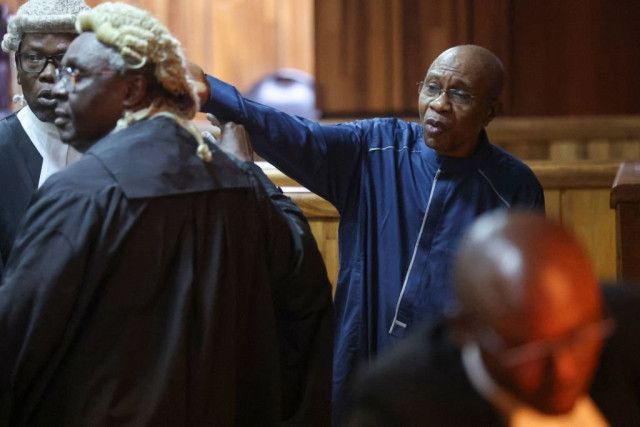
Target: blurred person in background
(30, 147)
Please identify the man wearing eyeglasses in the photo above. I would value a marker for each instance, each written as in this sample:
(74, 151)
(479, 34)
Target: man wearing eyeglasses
(534, 341)
(157, 281)
(404, 192)
(30, 147)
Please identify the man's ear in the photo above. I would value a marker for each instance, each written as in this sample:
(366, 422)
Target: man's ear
(495, 107)
(136, 92)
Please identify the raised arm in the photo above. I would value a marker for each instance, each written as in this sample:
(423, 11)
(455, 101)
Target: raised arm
(323, 158)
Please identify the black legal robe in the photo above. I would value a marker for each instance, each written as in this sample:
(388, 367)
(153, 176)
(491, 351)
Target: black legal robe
(20, 165)
(148, 287)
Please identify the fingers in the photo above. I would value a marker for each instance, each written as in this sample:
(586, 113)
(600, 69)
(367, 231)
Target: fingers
(214, 120)
(207, 136)
(235, 140)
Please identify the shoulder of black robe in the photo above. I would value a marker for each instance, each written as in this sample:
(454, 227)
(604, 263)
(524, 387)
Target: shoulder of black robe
(20, 165)
(304, 310)
(92, 223)
(419, 382)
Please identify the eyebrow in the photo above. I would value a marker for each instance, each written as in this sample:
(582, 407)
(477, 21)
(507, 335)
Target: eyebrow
(455, 80)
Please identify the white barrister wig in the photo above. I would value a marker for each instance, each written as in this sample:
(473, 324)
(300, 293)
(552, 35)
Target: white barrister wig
(42, 16)
(144, 43)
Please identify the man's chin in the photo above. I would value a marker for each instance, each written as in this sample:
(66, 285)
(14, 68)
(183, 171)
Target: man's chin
(45, 116)
(558, 405)
(77, 144)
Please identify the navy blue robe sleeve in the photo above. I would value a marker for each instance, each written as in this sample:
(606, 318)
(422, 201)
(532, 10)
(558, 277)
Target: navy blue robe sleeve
(323, 158)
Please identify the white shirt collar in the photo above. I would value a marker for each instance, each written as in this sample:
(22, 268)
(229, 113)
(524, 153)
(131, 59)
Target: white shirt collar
(44, 136)
(517, 413)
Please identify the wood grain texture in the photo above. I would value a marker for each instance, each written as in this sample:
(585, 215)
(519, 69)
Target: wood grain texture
(562, 57)
(625, 199)
(576, 194)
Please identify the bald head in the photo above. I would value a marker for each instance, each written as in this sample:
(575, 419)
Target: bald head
(479, 62)
(532, 304)
(460, 95)
(508, 261)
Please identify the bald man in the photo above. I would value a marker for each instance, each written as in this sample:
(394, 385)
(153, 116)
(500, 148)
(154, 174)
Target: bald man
(523, 345)
(403, 190)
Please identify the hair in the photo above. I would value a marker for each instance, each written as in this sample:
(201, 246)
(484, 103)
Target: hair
(147, 48)
(42, 16)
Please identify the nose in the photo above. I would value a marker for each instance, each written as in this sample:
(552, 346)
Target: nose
(59, 90)
(440, 102)
(49, 72)
(564, 367)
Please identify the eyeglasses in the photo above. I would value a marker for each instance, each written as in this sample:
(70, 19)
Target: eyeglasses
(34, 62)
(433, 91)
(540, 350)
(71, 76)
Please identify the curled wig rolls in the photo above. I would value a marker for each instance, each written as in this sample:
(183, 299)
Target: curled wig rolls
(143, 42)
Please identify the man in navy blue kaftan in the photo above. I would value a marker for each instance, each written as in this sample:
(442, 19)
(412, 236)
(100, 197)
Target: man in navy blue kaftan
(404, 191)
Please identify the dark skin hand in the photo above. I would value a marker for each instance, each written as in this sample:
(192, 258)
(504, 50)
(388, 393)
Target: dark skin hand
(234, 140)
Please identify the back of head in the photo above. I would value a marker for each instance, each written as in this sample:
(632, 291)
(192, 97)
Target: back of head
(42, 16)
(143, 43)
(532, 304)
(147, 47)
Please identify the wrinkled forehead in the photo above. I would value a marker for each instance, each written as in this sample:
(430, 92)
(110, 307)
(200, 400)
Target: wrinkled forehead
(56, 42)
(462, 66)
(88, 52)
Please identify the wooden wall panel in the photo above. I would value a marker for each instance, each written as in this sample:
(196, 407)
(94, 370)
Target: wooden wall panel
(239, 41)
(575, 57)
(371, 53)
(562, 57)
(576, 195)
(587, 213)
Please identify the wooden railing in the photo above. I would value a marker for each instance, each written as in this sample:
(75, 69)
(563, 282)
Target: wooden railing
(576, 194)
(568, 138)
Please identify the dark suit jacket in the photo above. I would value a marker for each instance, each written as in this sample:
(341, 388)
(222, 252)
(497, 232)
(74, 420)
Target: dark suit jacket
(422, 382)
(20, 165)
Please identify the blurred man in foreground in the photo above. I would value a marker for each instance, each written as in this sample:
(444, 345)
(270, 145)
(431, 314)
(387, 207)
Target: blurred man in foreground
(151, 285)
(524, 348)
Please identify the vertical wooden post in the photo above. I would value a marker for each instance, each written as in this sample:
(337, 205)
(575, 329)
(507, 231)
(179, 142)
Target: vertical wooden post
(625, 199)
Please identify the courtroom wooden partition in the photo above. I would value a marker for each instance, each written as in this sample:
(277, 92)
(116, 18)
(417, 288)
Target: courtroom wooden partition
(576, 194)
(625, 199)
(575, 159)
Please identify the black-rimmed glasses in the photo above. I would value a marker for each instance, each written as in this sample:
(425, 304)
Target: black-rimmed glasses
(71, 76)
(34, 62)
